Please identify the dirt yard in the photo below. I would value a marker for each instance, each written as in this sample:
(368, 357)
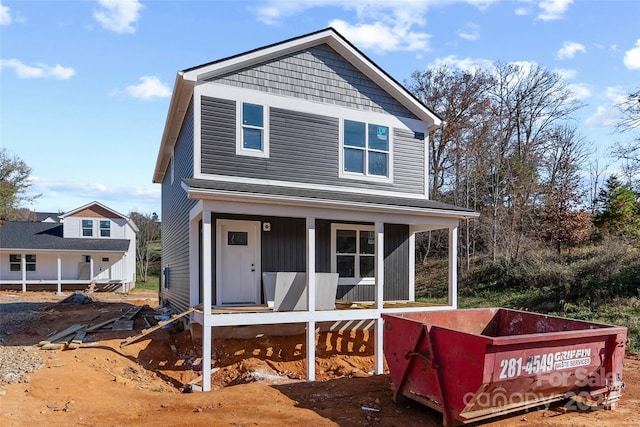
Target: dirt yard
(257, 382)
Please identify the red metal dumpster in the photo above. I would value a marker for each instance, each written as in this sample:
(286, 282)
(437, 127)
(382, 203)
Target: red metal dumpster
(480, 363)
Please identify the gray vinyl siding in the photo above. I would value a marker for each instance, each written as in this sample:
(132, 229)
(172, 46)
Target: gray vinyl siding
(308, 141)
(175, 218)
(316, 74)
(396, 263)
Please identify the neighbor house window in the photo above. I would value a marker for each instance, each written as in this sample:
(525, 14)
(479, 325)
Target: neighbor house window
(366, 149)
(105, 228)
(353, 257)
(87, 227)
(15, 262)
(253, 137)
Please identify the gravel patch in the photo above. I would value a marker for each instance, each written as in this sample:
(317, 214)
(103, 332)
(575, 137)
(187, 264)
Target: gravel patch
(17, 362)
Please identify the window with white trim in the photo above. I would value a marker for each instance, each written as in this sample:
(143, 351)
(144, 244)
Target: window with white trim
(105, 228)
(15, 262)
(366, 149)
(353, 250)
(87, 228)
(253, 137)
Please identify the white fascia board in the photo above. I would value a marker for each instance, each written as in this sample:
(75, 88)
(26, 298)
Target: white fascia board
(180, 98)
(81, 208)
(292, 202)
(68, 251)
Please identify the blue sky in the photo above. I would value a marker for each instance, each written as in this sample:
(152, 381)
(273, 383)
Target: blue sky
(85, 85)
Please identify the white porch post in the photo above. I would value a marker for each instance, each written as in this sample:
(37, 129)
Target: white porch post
(378, 354)
(412, 265)
(91, 267)
(194, 256)
(23, 269)
(311, 298)
(206, 298)
(453, 266)
(59, 265)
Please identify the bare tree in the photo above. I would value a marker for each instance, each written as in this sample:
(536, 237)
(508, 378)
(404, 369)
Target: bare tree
(629, 153)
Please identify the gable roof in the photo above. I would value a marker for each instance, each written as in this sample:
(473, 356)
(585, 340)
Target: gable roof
(101, 207)
(186, 80)
(48, 236)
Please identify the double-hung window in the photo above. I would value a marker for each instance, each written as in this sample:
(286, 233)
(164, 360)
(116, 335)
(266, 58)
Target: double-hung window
(253, 139)
(366, 150)
(105, 228)
(15, 262)
(87, 228)
(353, 256)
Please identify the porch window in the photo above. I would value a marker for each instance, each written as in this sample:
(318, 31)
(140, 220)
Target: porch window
(15, 262)
(105, 228)
(366, 149)
(252, 130)
(353, 258)
(87, 227)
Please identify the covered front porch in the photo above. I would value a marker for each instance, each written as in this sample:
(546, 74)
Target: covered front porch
(376, 273)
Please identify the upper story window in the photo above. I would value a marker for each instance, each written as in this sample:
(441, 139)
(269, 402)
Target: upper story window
(87, 228)
(366, 150)
(253, 138)
(105, 228)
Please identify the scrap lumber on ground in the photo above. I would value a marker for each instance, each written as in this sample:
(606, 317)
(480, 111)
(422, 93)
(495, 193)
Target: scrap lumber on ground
(156, 327)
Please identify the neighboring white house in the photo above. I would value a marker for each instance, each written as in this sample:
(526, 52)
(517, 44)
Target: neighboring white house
(299, 162)
(92, 244)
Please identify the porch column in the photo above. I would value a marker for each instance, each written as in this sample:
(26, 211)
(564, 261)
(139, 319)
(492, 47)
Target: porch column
(412, 265)
(91, 267)
(379, 230)
(23, 269)
(311, 298)
(206, 299)
(194, 255)
(59, 264)
(453, 266)
(378, 353)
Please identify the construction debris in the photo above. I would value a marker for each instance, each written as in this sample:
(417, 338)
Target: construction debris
(155, 328)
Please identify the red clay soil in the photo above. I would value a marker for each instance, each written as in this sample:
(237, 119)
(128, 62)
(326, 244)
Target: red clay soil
(257, 382)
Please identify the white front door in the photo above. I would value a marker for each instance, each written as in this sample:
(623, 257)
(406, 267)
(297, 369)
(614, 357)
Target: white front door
(238, 249)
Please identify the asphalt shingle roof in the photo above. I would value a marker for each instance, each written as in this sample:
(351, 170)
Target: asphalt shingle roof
(323, 195)
(47, 235)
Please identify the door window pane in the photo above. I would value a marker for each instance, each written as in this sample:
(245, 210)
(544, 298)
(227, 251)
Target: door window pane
(238, 238)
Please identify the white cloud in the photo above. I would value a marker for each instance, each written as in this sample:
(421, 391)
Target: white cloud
(5, 16)
(632, 57)
(569, 50)
(149, 88)
(566, 74)
(553, 9)
(580, 90)
(471, 31)
(522, 11)
(383, 25)
(608, 114)
(40, 71)
(382, 37)
(465, 64)
(119, 16)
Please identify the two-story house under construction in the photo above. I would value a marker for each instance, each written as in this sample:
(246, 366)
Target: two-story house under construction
(297, 163)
